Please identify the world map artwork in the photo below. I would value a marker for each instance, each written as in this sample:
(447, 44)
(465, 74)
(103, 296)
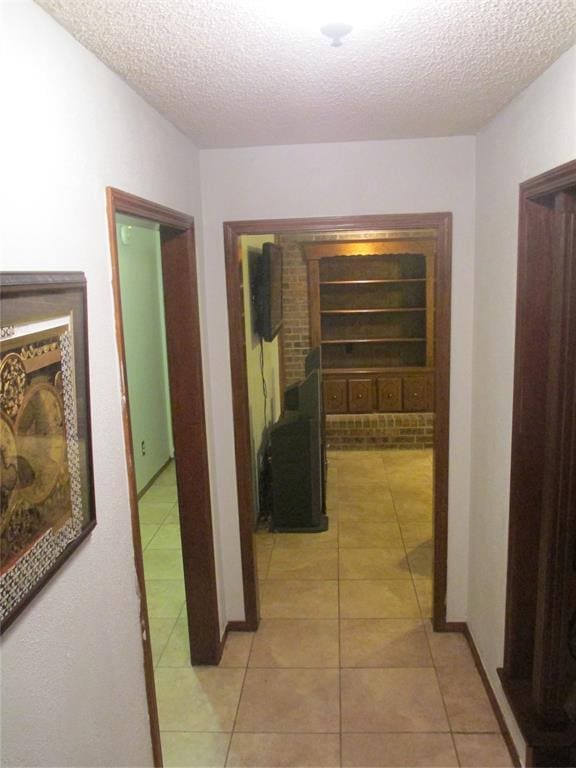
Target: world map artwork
(35, 491)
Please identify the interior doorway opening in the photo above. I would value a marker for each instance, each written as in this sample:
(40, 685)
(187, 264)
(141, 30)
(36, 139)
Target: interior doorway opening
(180, 488)
(355, 376)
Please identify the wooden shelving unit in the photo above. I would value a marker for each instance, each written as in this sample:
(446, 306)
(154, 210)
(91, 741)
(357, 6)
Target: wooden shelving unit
(372, 312)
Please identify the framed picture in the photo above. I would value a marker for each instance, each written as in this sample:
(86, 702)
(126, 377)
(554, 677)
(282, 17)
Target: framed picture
(46, 486)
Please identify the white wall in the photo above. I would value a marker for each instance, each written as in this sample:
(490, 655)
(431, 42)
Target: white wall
(334, 180)
(73, 682)
(535, 133)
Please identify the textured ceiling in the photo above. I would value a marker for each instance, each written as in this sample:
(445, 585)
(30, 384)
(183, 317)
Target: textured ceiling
(235, 73)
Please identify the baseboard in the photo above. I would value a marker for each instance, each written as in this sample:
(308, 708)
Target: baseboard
(491, 696)
(452, 626)
(240, 626)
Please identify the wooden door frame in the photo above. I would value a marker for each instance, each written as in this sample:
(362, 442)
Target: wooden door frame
(233, 231)
(189, 429)
(541, 537)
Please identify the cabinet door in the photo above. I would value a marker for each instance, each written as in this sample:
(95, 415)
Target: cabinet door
(360, 395)
(335, 400)
(389, 393)
(418, 392)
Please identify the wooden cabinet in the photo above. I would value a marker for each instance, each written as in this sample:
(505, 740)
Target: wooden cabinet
(335, 395)
(360, 395)
(389, 394)
(372, 311)
(417, 393)
(379, 393)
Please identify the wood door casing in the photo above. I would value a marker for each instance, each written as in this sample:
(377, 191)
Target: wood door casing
(441, 224)
(539, 674)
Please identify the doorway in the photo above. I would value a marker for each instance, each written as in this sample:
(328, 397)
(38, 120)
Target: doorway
(439, 226)
(178, 286)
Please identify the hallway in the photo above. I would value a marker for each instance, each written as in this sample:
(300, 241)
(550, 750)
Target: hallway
(344, 669)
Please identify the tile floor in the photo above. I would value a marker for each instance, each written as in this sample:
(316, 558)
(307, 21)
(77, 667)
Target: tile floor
(345, 669)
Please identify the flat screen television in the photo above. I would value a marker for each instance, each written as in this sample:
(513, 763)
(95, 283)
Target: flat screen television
(269, 292)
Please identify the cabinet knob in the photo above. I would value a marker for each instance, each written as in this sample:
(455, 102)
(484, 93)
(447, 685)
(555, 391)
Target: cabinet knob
(360, 397)
(389, 395)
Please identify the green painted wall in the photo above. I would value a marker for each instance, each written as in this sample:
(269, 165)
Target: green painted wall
(145, 342)
(258, 421)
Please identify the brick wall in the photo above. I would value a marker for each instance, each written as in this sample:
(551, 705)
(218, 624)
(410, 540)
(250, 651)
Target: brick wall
(378, 431)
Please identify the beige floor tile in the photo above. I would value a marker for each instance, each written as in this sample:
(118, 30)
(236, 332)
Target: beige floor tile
(383, 535)
(383, 643)
(168, 477)
(398, 750)
(167, 537)
(165, 597)
(300, 599)
(164, 493)
(370, 511)
(197, 698)
(173, 517)
(482, 750)
(327, 538)
(425, 597)
(263, 557)
(449, 649)
(421, 560)
(305, 563)
(373, 564)
(284, 750)
(194, 750)
(467, 704)
(417, 534)
(378, 599)
(163, 564)
(160, 630)
(413, 511)
(360, 495)
(154, 513)
(406, 457)
(177, 650)
(295, 643)
(147, 533)
(236, 649)
(289, 701)
(391, 700)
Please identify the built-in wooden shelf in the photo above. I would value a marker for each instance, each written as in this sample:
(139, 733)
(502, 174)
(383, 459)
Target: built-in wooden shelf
(373, 341)
(379, 296)
(374, 282)
(384, 310)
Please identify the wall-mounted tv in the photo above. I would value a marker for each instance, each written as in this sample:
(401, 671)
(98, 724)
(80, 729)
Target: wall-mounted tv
(269, 292)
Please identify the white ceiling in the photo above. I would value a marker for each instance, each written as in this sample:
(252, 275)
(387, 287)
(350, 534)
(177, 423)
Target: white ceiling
(239, 73)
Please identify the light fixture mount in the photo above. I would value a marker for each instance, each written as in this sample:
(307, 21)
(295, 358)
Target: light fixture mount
(336, 32)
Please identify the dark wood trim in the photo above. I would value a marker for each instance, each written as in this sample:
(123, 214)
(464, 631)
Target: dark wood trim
(241, 421)
(233, 230)
(238, 626)
(538, 672)
(190, 446)
(133, 495)
(453, 626)
(549, 182)
(122, 202)
(491, 696)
